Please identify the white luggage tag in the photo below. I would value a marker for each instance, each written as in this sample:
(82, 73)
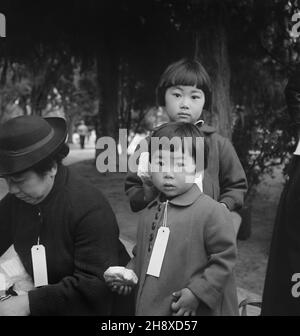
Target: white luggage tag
(39, 265)
(159, 248)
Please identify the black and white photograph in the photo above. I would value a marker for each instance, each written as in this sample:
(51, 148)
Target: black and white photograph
(149, 160)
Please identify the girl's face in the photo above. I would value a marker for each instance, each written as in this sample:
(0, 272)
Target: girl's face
(31, 187)
(184, 103)
(172, 173)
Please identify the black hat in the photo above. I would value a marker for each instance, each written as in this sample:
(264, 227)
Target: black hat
(27, 140)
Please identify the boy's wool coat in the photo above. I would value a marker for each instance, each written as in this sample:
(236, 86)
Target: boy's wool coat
(200, 255)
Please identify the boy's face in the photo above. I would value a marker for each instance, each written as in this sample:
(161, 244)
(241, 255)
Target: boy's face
(172, 173)
(184, 103)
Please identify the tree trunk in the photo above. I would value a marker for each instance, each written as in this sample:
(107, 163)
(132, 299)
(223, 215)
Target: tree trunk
(211, 49)
(46, 73)
(108, 81)
(107, 69)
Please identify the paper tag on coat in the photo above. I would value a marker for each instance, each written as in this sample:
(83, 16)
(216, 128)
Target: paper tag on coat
(158, 251)
(39, 265)
(297, 151)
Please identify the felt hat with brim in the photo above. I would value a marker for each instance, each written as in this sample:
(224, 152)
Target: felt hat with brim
(27, 140)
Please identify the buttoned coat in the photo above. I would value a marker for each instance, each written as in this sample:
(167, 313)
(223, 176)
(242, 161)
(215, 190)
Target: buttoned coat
(284, 256)
(79, 231)
(200, 255)
(281, 289)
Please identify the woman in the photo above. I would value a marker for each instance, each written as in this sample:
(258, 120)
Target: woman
(281, 289)
(50, 209)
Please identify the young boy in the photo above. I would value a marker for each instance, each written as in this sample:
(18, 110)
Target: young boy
(184, 90)
(186, 246)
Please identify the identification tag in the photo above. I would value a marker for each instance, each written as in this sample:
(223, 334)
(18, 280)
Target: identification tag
(39, 265)
(158, 251)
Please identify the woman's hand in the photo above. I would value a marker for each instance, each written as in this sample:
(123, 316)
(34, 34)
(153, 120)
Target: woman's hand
(15, 306)
(121, 289)
(120, 279)
(186, 303)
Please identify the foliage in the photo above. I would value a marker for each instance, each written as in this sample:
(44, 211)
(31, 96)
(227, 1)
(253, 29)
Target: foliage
(75, 93)
(260, 65)
(50, 62)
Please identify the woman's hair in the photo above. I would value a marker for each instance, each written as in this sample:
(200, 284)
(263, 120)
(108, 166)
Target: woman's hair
(181, 130)
(42, 167)
(188, 72)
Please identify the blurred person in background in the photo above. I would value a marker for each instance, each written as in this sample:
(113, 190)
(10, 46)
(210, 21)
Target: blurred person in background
(83, 132)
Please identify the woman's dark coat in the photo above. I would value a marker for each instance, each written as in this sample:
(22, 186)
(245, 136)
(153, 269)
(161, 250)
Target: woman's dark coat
(284, 256)
(78, 228)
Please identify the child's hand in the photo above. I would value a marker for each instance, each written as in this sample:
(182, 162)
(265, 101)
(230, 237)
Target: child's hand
(150, 191)
(185, 303)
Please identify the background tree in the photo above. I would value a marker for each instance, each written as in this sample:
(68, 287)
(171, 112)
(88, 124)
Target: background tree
(122, 48)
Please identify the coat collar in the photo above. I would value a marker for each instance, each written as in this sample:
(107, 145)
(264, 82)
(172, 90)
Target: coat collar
(185, 199)
(201, 125)
(207, 129)
(204, 127)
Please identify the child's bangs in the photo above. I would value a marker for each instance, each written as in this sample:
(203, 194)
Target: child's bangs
(189, 77)
(179, 144)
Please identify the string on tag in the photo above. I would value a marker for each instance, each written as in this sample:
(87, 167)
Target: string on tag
(38, 240)
(165, 219)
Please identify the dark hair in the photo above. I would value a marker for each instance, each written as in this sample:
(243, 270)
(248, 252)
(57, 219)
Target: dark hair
(42, 167)
(181, 130)
(185, 72)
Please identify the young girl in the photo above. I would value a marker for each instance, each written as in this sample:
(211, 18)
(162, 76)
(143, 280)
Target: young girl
(186, 248)
(184, 90)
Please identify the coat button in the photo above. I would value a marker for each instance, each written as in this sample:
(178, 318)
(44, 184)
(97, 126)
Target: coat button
(153, 225)
(151, 237)
(159, 207)
(149, 247)
(156, 216)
